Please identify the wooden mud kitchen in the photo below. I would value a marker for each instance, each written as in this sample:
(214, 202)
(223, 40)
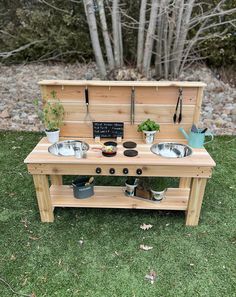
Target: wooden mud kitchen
(90, 104)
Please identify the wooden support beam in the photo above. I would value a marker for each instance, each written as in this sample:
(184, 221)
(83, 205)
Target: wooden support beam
(185, 182)
(56, 180)
(195, 201)
(43, 197)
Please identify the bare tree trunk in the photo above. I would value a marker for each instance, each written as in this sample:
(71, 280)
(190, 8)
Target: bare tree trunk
(107, 42)
(171, 25)
(120, 39)
(159, 39)
(89, 10)
(183, 35)
(116, 26)
(172, 21)
(165, 46)
(141, 28)
(179, 7)
(149, 38)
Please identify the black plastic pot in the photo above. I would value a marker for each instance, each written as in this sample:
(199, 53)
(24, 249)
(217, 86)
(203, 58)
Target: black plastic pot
(82, 191)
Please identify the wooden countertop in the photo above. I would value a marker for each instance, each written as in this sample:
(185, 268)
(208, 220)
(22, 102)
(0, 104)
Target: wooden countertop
(187, 84)
(40, 155)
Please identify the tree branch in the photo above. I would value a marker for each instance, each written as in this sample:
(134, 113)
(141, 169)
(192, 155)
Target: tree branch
(5, 55)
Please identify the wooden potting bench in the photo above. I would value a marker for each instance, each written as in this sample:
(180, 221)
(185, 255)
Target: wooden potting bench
(110, 101)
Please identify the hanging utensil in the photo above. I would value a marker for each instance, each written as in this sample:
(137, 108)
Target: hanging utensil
(179, 104)
(88, 117)
(133, 91)
(132, 107)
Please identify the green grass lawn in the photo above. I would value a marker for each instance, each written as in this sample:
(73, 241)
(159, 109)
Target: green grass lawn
(49, 259)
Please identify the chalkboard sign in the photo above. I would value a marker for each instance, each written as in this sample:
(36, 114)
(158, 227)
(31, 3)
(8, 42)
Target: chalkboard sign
(108, 129)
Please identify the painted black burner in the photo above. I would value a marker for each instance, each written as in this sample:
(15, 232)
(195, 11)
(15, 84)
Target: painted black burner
(130, 153)
(129, 144)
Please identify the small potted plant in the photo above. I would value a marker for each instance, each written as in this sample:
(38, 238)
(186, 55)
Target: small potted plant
(52, 116)
(131, 183)
(149, 129)
(158, 189)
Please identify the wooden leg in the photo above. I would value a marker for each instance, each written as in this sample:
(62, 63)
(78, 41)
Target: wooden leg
(56, 180)
(43, 197)
(185, 182)
(195, 201)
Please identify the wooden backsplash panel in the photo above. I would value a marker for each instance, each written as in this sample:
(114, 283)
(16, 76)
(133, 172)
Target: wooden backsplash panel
(121, 112)
(64, 93)
(164, 95)
(121, 95)
(84, 130)
(110, 101)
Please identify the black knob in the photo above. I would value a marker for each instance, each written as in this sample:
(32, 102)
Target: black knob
(139, 171)
(112, 171)
(125, 170)
(98, 170)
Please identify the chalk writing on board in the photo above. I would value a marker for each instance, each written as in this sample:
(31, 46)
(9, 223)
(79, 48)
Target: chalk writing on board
(108, 129)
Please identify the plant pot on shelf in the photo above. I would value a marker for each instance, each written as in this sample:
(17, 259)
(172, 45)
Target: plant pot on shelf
(158, 196)
(131, 184)
(53, 136)
(149, 136)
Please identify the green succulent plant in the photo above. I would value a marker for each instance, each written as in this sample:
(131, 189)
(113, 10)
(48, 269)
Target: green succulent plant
(148, 125)
(52, 114)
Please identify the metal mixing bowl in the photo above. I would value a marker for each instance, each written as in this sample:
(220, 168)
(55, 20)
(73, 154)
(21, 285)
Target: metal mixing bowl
(171, 150)
(68, 147)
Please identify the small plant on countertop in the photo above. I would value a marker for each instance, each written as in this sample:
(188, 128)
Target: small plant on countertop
(149, 129)
(148, 125)
(52, 116)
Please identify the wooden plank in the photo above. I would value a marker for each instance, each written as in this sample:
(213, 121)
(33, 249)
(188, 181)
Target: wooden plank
(195, 201)
(140, 142)
(120, 95)
(43, 197)
(114, 197)
(187, 84)
(161, 95)
(121, 112)
(198, 105)
(82, 169)
(84, 130)
(199, 158)
(113, 95)
(185, 182)
(204, 164)
(63, 93)
(56, 180)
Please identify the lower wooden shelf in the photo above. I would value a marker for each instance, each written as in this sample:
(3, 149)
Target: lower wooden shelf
(114, 197)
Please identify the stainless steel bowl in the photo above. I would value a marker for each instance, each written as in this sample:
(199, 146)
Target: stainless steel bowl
(69, 148)
(171, 150)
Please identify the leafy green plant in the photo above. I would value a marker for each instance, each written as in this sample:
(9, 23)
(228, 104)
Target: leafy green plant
(131, 180)
(52, 114)
(148, 125)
